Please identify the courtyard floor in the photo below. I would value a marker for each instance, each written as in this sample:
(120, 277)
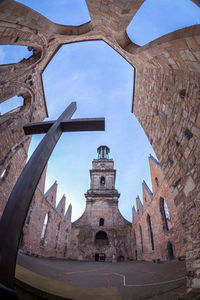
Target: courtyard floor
(131, 280)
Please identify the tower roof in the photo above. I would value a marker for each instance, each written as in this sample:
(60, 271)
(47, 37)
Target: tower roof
(103, 152)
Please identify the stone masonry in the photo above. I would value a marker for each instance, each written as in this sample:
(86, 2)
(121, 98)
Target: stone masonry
(166, 98)
(101, 217)
(157, 230)
(53, 238)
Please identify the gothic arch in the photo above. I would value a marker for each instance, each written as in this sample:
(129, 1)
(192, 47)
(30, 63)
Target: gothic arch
(101, 238)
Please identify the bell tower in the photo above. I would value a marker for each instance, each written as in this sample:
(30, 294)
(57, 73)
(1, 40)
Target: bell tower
(102, 177)
(101, 231)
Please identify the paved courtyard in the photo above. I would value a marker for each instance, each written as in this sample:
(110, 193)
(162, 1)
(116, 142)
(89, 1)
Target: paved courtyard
(133, 280)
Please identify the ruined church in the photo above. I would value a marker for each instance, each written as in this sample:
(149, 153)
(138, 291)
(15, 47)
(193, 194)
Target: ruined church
(166, 104)
(102, 233)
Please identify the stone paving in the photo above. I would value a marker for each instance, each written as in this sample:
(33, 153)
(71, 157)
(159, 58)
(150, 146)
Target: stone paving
(134, 280)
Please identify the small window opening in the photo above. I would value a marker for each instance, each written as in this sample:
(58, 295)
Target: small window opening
(157, 182)
(102, 180)
(101, 222)
(3, 174)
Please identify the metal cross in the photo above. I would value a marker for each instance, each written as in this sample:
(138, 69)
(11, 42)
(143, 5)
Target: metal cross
(17, 207)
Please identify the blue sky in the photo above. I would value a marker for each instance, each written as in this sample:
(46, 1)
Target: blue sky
(101, 82)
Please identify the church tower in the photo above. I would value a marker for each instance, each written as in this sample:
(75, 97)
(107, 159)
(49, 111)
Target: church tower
(102, 185)
(101, 233)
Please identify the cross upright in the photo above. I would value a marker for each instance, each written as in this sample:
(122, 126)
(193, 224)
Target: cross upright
(15, 212)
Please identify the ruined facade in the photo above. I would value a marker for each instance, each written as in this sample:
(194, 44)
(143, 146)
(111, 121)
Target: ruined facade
(47, 229)
(157, 231)
(165, 102)
(101, 233)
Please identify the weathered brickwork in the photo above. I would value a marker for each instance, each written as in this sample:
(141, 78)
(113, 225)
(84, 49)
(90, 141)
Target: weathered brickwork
(166, 96)
(156, 227)
(175, 140)
(101, 215)
(54, 242)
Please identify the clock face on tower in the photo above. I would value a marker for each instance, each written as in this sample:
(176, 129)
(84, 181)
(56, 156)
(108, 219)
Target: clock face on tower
(103, 165)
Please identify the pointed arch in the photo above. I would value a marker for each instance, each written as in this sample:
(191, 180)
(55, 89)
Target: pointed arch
(101, 238)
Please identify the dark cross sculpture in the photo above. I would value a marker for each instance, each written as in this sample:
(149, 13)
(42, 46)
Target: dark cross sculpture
(15, 212)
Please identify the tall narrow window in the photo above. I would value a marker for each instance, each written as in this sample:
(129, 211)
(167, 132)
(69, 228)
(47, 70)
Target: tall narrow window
(101, 222)
(29, 217)
(134, 238)
(57, 235)
(157, 182)
(150, 231)
(44, 229)
(141, 238)
(165, 215)
(102, 180)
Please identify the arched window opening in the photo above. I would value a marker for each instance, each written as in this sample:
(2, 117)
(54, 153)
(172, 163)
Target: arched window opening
(141, 238)
(101, 222)
(101, 238)
(150, 231)
(44, 229)
(170, 250)
(102, 180)
(14, 53)
(11, 105)
(157, 182)
(165, 215)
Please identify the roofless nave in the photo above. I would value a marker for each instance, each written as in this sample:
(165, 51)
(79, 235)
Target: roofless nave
(165, 98)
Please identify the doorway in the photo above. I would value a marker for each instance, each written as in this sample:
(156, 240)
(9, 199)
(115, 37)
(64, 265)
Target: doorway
(100, 257)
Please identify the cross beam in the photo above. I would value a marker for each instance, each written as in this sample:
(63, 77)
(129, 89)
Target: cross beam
(17, 207)
(92, 124)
